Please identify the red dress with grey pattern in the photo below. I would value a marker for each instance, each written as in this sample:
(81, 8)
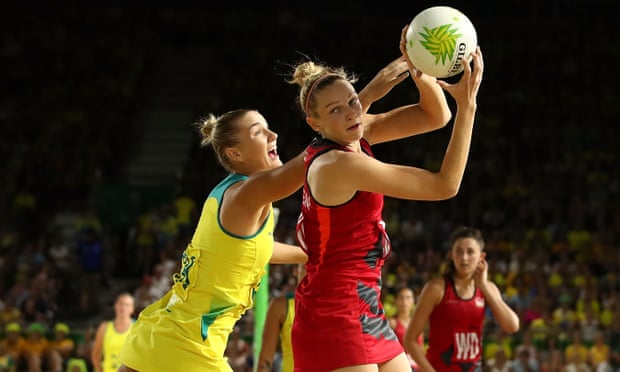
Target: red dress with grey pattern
(339, 318)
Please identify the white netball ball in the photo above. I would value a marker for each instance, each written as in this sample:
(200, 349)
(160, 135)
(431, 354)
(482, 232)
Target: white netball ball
(437, 39)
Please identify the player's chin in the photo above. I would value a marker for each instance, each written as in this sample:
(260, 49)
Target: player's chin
(466, 270)
(276, 163)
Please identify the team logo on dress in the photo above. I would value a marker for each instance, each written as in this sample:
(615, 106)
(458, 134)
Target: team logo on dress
(479, 302)
(182, 277)
(467, 347)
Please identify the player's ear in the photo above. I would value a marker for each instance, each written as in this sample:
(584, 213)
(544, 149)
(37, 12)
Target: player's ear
(313, 123)
(233, 154)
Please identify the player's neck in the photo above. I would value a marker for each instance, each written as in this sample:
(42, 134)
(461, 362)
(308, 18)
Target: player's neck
(404, 318)
(463, 283)
(122, 322)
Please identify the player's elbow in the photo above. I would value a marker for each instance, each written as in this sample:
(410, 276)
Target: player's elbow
(440, 119)
(511, 326)
(451, 191)
(447, 190)
(409, 340)
(444, 117)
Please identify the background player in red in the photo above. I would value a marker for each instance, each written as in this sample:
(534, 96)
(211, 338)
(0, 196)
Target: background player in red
(339, 323)
(405, 301)
(454, 306)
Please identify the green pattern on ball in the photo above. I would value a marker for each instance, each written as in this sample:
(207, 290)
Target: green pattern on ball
(440, 42)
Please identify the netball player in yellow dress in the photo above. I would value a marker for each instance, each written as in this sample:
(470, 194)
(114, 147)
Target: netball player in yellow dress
(188, 328)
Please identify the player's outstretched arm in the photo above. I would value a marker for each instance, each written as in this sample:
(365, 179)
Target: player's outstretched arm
(287, 254)
(271, 333)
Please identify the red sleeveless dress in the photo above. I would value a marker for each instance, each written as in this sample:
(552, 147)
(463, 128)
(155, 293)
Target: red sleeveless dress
(455, 333)
(339, 318)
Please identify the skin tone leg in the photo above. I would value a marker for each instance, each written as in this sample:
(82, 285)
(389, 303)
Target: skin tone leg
(398, 364)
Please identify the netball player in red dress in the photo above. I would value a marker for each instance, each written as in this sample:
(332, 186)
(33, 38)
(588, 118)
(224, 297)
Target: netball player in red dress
(339, 323)
(405, 301)
(454, 307)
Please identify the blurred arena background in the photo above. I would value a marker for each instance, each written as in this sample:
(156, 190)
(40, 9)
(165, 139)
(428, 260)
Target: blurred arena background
(102, 177)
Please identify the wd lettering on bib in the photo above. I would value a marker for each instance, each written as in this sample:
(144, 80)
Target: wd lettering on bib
(467, 346)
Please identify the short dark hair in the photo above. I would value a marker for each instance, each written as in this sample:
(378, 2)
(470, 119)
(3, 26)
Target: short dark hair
(467, 232)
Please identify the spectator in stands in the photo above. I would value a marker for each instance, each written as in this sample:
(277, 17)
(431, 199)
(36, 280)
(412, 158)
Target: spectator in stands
(600, 353)
(15, 344)
(39, 355)
(576, 352)
(7, 364)
(143, 295)
(524, 362)
(185, 208)
(495, 341)
(144, 241)
(555, 362)
(499, 363)
(10, 313)
(161, 281)
(238, 352)
(84, 349)
(61, 346)
(90, 252)
(527, 344)
(576, 363)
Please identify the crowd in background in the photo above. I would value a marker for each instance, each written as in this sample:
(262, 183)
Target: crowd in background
(542, 181)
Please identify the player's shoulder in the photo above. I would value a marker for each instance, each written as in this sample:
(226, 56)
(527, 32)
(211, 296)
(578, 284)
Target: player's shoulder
(279, 301)
(435, 287)
(438, 281)
(103, 325)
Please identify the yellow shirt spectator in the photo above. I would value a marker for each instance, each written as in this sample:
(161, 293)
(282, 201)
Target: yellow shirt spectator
(185, 207)
(14, 343)
(498, 342)
(598, 354)
(581, 307)
(36, 343)
(600, 351)
(555, 280)
(577, 347)
(606, 317)
(564, 316)
(61, 343)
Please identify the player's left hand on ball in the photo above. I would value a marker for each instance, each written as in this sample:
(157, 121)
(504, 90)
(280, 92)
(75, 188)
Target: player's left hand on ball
(386, 79)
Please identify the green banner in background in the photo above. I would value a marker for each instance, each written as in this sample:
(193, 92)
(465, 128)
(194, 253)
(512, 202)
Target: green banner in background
(261, 304)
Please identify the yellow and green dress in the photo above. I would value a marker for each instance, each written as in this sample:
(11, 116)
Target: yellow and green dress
(285, 334)
(187, 329)
(113, 341)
